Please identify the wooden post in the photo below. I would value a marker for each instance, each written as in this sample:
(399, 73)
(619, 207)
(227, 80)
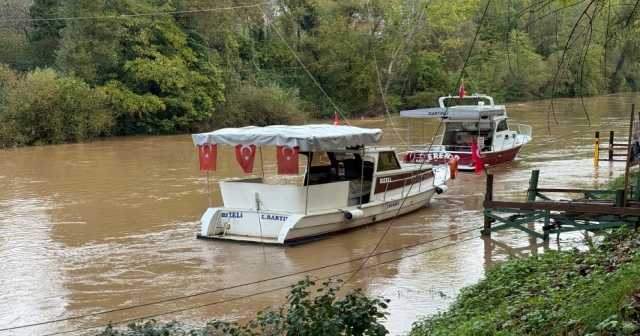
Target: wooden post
(610, 145)
(628, 161)
(596, 153)
(488, 196)
(636, 196)
(533, 186)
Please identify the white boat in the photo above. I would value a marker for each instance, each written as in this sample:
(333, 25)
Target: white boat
(487, 125)
(343, 190)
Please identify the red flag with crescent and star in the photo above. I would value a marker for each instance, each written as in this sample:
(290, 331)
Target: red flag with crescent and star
(336, 121)
(287, 158)
(245, 156)
(476, 158)
(207, 155)
(461, 92)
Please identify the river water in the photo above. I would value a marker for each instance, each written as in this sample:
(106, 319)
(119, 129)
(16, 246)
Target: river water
(110, 225)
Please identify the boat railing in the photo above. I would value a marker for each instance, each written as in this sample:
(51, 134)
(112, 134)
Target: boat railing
(404, 184)
(523, 132)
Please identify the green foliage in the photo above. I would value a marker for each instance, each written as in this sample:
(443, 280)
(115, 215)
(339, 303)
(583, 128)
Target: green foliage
(558, 293)
(302, 315)
(42, 107)
(260, 105)
(188, 71)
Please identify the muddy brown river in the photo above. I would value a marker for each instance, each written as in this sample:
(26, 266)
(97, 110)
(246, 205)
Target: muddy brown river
(111, 225)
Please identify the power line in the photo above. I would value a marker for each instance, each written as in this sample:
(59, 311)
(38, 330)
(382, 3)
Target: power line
(230, 287)
(305, 68)
(267, 291)
(423, 161)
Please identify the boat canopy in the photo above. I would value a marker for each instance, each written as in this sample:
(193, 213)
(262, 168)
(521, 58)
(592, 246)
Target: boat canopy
(309, 138)
(463, 112)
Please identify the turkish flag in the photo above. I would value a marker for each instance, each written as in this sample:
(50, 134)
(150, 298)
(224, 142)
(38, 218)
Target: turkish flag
(207, 155)
(476, 158)
(287, 158)
(461, 92)
(336, 121)
(245, 156)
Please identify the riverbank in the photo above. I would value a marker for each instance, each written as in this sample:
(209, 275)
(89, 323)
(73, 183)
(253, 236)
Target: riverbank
(595, 290)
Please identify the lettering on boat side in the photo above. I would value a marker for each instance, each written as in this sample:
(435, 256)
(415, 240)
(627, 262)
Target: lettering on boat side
(393, 204)
(441, 155)
(231, 214)
(274, 217)
(385, 180)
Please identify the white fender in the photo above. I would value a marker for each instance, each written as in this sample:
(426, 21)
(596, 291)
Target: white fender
(442, 189)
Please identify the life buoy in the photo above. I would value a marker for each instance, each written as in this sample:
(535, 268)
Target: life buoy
(453, 168)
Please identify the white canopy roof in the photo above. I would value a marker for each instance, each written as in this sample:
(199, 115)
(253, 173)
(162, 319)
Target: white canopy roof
(463, 112)
(309, 138)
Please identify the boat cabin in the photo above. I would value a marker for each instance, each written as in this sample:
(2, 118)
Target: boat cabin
(464, 123)
(340, 171)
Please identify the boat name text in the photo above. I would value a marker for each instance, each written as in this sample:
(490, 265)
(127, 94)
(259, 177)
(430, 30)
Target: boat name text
(393, 205)
(231, 214)
(274, 217)
(385, 180)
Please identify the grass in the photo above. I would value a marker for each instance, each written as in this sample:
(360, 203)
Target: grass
(572, 292)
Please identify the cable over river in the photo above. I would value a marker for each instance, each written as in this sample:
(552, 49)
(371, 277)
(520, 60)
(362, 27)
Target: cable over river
(105, 231)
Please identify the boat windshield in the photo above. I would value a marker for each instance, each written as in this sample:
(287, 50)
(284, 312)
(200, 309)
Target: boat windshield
(469, 126)
(387, 161)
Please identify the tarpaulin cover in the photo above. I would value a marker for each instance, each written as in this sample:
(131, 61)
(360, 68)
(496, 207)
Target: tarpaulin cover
(309, 138)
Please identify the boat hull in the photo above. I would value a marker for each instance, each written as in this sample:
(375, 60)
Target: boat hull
(464, 158)
(286, 228)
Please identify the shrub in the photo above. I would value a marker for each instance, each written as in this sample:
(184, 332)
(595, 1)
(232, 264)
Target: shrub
(302, 315)
(42, 107)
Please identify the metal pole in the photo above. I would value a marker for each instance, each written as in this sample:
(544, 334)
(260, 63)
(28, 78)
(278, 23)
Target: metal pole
(596, 153)
(261, 165)
(626, 170)
(208, 188)
(408, 135)
(533, 185)
(306, 203)
(361, 175)
(424, 141)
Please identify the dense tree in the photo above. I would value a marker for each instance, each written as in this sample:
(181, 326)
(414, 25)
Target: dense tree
(169, 66)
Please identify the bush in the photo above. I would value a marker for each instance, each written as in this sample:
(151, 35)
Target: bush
(302, 315)
(259, 105)
(42, 107)
(569, 292)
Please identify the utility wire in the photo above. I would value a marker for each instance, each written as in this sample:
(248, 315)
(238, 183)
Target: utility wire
(232, 287)
(305, 68)
(267, 291)
(423, 161)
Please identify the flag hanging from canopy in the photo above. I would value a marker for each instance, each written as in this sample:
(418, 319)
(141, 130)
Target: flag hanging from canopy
(207, 155)
(245, 156)
(336, 121)
(287, 158)
(476, 158)
(461, 93)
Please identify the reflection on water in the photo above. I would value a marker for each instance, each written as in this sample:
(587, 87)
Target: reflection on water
(107, 225)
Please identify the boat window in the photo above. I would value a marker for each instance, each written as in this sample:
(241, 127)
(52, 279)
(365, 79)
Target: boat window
(320, 159)
(387, 161)
(502, 126)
